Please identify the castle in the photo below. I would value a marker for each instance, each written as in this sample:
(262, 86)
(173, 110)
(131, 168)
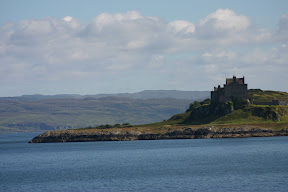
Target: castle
(234, 88)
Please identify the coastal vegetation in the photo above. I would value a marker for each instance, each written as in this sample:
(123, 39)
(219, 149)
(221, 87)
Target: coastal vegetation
(234, 118)
(248, 115)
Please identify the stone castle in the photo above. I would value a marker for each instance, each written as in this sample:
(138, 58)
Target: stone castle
(234, 88)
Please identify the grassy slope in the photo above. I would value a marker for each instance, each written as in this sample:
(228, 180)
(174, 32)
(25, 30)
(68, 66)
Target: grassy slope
(266, 96)
(242, 116)
(246, 115)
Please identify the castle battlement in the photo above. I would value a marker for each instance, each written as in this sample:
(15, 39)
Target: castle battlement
(234, 88)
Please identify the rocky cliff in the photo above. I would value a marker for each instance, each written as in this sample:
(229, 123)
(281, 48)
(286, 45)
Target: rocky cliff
(182, 133)
(218, 109)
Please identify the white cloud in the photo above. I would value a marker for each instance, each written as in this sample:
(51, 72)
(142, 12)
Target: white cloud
(68, 18)
(181, 27)
(221, 23)
(226, 19)
(106, 19)
(113, 47)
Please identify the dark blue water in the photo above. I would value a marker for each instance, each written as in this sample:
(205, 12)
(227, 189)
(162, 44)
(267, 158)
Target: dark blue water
(249, 164)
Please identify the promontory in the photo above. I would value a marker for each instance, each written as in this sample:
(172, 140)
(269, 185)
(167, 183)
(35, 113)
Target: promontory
(233, 111)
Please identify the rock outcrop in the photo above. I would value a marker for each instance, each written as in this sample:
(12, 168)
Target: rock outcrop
(270, 113)
(214, 110)
(183, 133)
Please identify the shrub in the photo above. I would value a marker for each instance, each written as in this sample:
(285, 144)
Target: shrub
(239, 103)
(193, 106)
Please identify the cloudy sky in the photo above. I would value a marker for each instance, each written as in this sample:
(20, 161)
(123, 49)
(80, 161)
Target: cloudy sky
(112, 46)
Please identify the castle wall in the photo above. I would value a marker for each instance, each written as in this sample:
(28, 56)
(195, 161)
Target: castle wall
(217, 96)
(234, 88)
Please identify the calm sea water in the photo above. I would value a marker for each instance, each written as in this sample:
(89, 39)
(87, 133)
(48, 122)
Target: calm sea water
(248, 164)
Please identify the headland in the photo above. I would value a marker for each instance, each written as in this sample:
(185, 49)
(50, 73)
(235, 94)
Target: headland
(232, 112)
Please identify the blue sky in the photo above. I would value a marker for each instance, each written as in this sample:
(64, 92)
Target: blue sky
(91, 47)
(262, 12)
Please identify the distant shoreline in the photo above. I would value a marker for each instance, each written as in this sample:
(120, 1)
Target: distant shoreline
(185, 132)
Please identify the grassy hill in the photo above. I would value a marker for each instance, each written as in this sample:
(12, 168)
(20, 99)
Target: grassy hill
(266, 96)
(255, 114)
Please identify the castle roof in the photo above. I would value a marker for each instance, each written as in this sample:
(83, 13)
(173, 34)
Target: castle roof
(234, 80)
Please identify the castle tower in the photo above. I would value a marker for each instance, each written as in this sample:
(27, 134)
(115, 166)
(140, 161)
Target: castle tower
(234, 88)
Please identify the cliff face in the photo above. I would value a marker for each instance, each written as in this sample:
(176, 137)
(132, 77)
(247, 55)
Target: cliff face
(184, 133)
(212, 110)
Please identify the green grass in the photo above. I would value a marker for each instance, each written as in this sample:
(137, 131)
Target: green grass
(266, 96)
(238, 116)
(256, 114)
(174, 120)
(249, 115)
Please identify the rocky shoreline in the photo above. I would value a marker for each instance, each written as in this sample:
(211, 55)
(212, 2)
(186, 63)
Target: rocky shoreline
(86, 135)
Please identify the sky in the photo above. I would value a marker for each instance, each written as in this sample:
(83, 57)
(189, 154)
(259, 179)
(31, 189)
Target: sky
(119, 46)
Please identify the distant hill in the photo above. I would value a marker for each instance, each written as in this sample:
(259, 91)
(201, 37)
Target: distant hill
(147, 94)
(39, 97)
(153, 94)
(50, 112)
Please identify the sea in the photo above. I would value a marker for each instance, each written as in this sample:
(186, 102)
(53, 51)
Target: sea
(231, 164)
